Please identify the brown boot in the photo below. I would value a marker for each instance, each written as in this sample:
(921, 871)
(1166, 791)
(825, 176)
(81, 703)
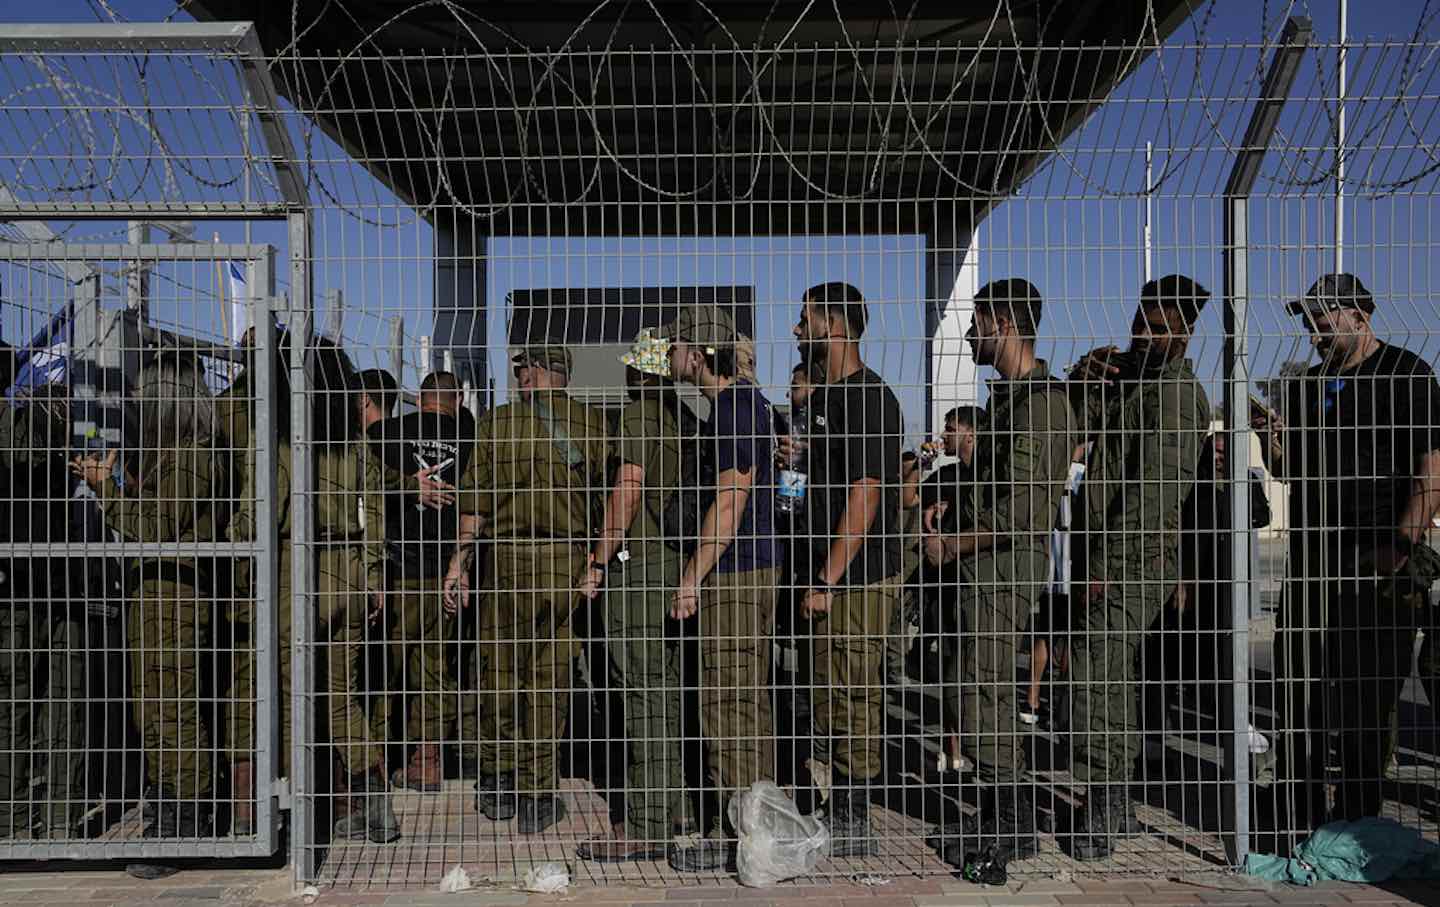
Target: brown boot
(242, 790)
(425, 770)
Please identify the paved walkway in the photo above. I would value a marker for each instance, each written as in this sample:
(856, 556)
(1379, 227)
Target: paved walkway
(106, 885)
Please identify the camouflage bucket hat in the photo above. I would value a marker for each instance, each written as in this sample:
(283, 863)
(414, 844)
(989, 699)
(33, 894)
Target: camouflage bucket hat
(649, 354)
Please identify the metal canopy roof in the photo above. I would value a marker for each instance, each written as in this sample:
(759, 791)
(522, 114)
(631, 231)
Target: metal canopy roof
(678, 118)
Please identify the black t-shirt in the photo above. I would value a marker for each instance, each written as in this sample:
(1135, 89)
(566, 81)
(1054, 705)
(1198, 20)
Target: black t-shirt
(952, 484)
(740, 429)
(855, 431)
(1355, 440)
(419, 538)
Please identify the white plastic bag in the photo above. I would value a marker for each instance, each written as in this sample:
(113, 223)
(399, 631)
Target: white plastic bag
(776, 842)
(547, 878)
(456, 880)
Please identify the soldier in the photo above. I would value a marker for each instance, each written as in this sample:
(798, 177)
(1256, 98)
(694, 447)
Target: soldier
(179, 481)
(349, 555)
(639, 571)
(855, 430)
(439, 439)
(1358, 441)
(1146, 415)
(44, 626)
(730, 578)
(1022, 459)
(529, 486)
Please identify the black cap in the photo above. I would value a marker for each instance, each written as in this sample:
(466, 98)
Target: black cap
(1016, 293)
(1331, 293)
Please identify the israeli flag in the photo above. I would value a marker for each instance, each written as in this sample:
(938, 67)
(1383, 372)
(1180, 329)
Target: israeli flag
(46, 358)
(239, 300)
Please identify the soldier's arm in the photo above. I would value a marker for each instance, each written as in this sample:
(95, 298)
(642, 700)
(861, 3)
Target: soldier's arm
(717, 530)
(374, 528)
(166, 514)
(1018, 504)
(242, 522)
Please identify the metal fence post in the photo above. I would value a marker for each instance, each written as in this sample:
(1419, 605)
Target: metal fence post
(1234, 724)
(302, 732)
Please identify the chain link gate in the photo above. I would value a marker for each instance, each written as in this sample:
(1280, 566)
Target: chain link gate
(463, 701)
(138, 436)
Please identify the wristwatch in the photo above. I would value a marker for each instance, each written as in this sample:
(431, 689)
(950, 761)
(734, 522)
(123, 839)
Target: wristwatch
(820, 585)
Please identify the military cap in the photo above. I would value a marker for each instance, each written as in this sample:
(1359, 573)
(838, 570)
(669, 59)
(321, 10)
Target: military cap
(1331, 293)
(553, 356)
(703, 325)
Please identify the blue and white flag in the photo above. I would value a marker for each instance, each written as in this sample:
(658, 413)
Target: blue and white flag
(46, 358)
(239, 300)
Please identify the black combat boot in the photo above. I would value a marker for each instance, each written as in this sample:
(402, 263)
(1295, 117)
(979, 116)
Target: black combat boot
(538, 812)
(495, 796)
(1091, 839)
(366, 813)
(847, 816)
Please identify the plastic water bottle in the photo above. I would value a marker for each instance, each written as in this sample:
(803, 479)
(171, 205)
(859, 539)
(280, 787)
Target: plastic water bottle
(790, 495)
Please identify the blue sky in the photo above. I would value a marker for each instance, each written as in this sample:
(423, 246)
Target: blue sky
(1074, 229)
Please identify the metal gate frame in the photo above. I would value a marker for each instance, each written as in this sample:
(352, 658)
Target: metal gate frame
(237, 41)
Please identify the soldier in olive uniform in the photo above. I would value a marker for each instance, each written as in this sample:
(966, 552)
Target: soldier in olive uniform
(1022, 459)
(170, 496)
(1147, 417)
(44, 628)
(537, 467)
(349, 554)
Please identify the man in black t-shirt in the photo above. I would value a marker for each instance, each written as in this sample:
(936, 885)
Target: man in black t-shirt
(1359, 444)
(854, 433)
(419, 539)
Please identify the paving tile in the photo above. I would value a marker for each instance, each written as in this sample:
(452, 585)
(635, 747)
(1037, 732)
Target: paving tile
(1117, 900)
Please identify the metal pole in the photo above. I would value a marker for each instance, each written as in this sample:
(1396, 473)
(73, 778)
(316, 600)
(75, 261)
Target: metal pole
(302, 837)
(1235, 722)
(137, 279)
(1149, 214)
(1234, 731)
(268, 733)
(397, 350)
(1342, 65)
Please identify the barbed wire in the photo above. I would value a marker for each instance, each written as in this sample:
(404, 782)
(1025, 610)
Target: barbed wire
(98, 124)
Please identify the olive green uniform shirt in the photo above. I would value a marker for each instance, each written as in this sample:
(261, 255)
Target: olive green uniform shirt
(347, 503)
(650, 438)
(1022, 461)
(1147, 436)
(538, 469)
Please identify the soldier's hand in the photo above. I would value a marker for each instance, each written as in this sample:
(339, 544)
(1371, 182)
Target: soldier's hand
(935, 550)
(1095, 366)
(934, 514)
(457, 588)
(93, 470)
(435, 493)
(816, 603)
(377, 606)
(686, 602)
(591, 579)
(1181, 598)
(1389, 561)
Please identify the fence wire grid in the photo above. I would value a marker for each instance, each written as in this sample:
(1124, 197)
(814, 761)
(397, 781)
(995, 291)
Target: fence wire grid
(493, 457)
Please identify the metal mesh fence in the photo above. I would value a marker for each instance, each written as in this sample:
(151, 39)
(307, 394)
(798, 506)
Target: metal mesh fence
(925, 429)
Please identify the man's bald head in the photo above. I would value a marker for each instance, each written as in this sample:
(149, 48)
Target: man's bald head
(440, 391)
